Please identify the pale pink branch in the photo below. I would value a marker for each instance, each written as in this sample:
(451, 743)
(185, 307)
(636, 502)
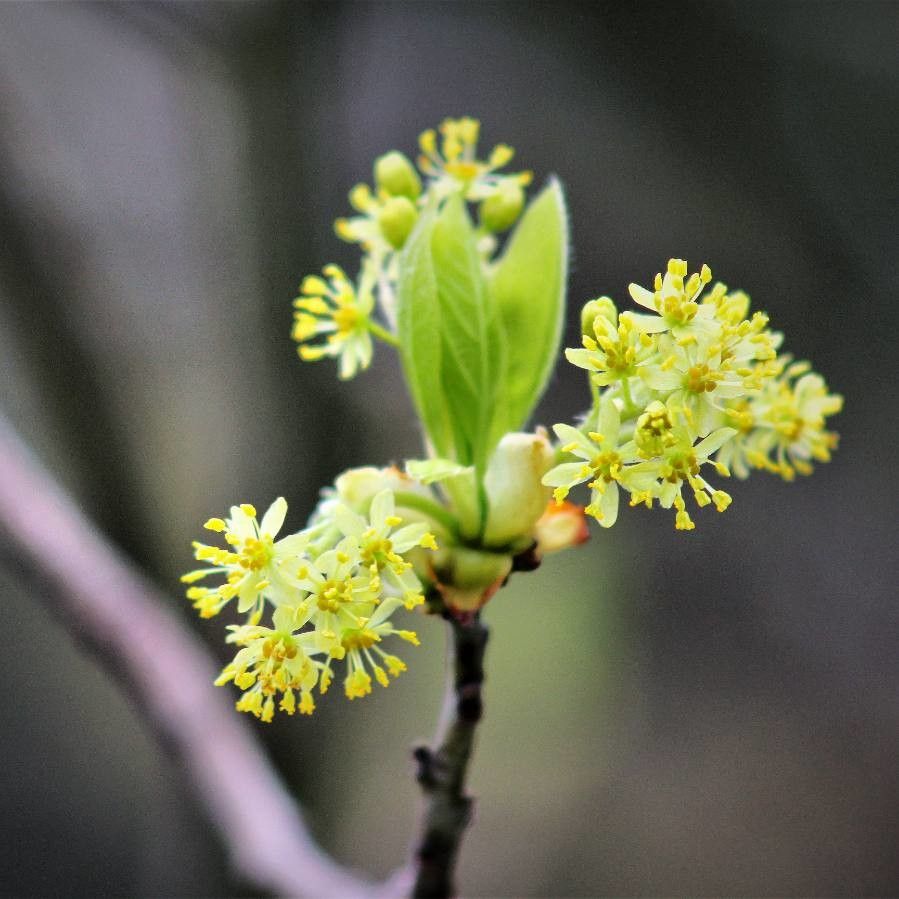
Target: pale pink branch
(127, 622)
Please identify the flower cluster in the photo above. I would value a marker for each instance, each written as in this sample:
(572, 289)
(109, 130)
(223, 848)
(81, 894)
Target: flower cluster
(697, 382)
(332, 589)
(689, 386)
(385, 216)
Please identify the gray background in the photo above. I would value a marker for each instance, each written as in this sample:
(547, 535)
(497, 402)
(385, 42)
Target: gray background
(712, 713)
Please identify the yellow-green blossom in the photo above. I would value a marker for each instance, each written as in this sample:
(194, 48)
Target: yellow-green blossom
(654, 431)
(273, 661)
(454, 163)
(253, 564)
(381, 545)
(697, 376)
(382, 226)
(674, 301)
(338, 591)
(606, 465)
(334, 308)
(364, 229)
(783, 429)
(679, 464)
(360, 648)
(615, 352)
(700, 377)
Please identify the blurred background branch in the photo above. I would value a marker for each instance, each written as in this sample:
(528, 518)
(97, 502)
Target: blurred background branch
(116, 614)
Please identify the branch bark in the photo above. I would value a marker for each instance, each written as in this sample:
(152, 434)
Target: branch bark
(442, 771)
(126, 622)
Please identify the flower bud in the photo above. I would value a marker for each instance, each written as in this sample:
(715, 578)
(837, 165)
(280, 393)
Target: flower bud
(396, 175)
(500, 210)
(516, 496)
(397, 219)
(604, 307)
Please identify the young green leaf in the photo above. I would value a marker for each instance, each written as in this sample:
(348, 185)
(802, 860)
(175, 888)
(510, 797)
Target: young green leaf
(419, 327)
(469, 339)
(527, 286)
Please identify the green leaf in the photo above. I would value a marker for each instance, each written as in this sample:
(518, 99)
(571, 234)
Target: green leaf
(419, 327)
(470, 339)
(527, 287)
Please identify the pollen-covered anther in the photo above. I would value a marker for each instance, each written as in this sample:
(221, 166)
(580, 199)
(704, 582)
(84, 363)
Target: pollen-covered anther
(721, 499)
(700, 378)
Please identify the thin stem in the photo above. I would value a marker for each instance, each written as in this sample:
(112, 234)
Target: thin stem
(383, 334)
(630, 409)
(594, 393)
(442, 771)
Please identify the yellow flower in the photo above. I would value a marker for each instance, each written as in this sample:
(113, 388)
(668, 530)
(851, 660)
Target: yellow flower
(273, 661)
(334, 587)
(455, 164)
(674, 301)
(338, 591)
(335, 308)
(700, 376)
(360, 648)
(616, 350)
(252, 564)
(679, 465)
(605, 465)
(382, 226)
(783, 429)
(700, 368)
(381, 546)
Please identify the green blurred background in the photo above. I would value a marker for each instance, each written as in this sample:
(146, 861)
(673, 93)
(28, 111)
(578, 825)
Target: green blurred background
(704, 714)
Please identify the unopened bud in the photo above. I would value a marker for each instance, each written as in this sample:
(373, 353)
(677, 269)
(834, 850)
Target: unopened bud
(500, 210)
(396, 175)
(397, 219)
(604, 307)
(516, 496)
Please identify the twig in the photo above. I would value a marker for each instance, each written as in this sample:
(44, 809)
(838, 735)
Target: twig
(125, 621)
(441, 771)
